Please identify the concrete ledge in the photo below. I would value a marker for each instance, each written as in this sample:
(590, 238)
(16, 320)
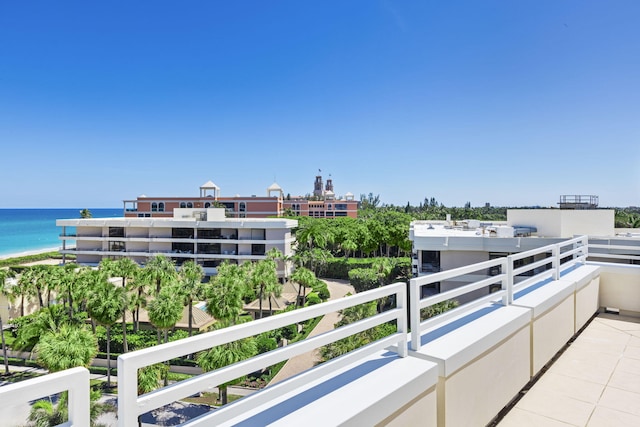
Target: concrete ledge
(587, 301)
(382, 389)
(552, 320)
(482, 363)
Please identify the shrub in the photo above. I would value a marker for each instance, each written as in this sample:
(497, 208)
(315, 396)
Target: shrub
(265, 343)
(313, 299)
(321, 289)
(363, 279)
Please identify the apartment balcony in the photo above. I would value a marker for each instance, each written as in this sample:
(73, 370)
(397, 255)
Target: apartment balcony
(532, 353)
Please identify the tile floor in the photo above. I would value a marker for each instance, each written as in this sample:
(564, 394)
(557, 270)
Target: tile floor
(594, 383)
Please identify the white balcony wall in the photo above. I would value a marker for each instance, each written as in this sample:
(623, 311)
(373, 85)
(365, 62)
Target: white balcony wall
(552, 320)
(587, 290)
(454, 259)
(620, 287)
(140, 232)
(482, 364)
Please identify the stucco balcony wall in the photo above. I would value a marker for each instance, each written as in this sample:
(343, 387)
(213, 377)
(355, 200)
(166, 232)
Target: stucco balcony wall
(552, 308)
(587, 288)
(620, 287)
(380, 390)
(483, 361)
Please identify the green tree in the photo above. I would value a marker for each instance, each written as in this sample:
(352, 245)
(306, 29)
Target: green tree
(265, 280)
(124, 268)
(86, 213)
(191, 275)
(225, 293)
(165, 310)
(105, 306)
(160, 270)
(224, 355)
(4, 292)
(67, 347)
(305, 279)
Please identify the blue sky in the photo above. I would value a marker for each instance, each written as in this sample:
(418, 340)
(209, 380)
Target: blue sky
(508, 102)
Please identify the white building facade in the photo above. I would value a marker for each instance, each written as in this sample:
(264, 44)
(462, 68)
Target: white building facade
(203, 235)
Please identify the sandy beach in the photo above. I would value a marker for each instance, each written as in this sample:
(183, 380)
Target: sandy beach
(27, 253)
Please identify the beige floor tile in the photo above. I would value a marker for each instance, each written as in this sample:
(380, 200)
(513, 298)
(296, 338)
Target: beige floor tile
(605, 417)
(629, 365)
(621, 400)
(625, 381)
(624, 323)
(602, 337)
(584, 370)
(634, 342)
(582, 390)
(556, 406)
(632, 352)
(520, 418)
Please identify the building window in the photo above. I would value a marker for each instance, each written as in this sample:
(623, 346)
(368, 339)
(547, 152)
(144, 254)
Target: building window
(161, 207)
(183, 205)
(207, 205)
(189, 205)
(154, 207)
(258, 249)
(116, 231)
(242, 207)
(117, 247)
(341, 206)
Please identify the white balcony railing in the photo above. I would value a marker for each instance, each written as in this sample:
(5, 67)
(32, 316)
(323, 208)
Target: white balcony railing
(549, 267)
(515, 272)
(130, 405)
(75, 381)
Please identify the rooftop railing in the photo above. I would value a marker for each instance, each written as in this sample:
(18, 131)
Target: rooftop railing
(509, 279)
(514, 273)
(75, 381)
(130, 405)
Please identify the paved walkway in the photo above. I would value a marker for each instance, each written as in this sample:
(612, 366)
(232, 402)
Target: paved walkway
(594, 383)
(302, 362)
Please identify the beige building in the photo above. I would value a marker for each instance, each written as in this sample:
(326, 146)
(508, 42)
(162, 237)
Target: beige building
(203, 235)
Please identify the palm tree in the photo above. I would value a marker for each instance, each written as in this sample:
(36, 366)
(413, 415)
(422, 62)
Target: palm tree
(264, 278)
(225, 293)
(86, 213)
(4, 292)
(124, 268)
(305, 279)
(160, 270)
(191, 275)
(105, 306)
(224, 355)
(67, 347)
(165, 310)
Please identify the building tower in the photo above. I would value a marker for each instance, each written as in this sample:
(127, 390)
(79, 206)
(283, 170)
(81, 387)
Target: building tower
(329, 186)
(317, 186)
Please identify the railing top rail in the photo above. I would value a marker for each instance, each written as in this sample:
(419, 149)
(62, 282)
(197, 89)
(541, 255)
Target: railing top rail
(448, 274)
(207, 340)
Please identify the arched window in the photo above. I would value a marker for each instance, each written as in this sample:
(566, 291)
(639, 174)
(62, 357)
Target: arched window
(160, 207)
(242, 207)
(183, 205)
(154, 207)
(207, 205)
(189, 205)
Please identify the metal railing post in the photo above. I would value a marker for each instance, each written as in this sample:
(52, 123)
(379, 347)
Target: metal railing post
(414, 292)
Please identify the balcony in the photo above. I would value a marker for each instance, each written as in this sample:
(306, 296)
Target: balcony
(466, 366)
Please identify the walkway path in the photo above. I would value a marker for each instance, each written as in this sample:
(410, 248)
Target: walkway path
(302, 362)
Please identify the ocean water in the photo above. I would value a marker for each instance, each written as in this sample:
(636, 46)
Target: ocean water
(26, 230)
